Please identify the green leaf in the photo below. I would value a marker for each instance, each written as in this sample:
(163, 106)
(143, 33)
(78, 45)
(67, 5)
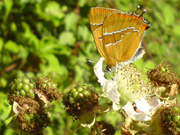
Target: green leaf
(71, 21)
(82, 2)
(8, 5)
(53, 9)
(169, 15)
(4, 107)
(87, 119)
(159, 16)
(53, 66)
(83, 33)
(176, 30)
(166, 11)
(148, 65)
(1, 43)
(67, 38)
(12, 47)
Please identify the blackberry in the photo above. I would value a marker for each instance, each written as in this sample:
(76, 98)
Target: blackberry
(80, 100)
(47, 87)
(23, 86)
(171, 120)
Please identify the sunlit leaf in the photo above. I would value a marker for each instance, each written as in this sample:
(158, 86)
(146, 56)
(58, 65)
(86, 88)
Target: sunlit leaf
(71, 21)
(67, 38)
(176, 30)
(8, 6)
(82, 2)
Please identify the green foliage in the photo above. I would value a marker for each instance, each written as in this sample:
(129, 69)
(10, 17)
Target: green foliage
(53, 38)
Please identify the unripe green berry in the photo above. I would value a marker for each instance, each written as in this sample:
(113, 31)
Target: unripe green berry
(86, 93)
(176, 109)
(18, 80)
(17, 93)
(75, 94)
(13, 86)
(26, 87)
(80, 100)
(25, 80)
(71, 100)
(80, 95)
(19, 86)
(31, 86)
(47, 87)
(171, 120)
(22, 92)
(176, 118)
(73, 90)
(80, 89)
(31, 94)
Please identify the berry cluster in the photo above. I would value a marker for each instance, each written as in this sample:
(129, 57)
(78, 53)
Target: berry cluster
(22, 87)
(171, 120)
(26, 96)
(80, 100)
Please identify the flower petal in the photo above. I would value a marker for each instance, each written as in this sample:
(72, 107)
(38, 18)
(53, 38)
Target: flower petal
(145, 108)
(109, 86)
(110, 89)
(16, 108)
(149, 106)
(98, 70)
(135, 115)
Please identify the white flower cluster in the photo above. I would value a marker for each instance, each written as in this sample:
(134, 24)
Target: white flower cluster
(128, 84)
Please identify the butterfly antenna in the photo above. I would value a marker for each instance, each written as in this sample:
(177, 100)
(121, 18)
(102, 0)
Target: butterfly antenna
(144, 11)
(136, 12)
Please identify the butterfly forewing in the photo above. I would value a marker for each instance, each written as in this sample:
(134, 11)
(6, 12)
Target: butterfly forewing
(97, 16)
(117, 34)
(98, 41)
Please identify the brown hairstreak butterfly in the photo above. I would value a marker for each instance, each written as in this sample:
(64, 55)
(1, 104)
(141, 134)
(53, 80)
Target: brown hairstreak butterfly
(117, 34)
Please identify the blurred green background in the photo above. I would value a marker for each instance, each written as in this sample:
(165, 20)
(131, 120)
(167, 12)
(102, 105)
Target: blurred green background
(53, 38)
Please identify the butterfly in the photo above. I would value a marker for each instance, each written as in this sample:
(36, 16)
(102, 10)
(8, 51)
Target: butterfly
(117, 34)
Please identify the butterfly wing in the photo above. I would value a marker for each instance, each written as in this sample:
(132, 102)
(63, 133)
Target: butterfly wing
(121, 38)
(97, 17)
(117, 34)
